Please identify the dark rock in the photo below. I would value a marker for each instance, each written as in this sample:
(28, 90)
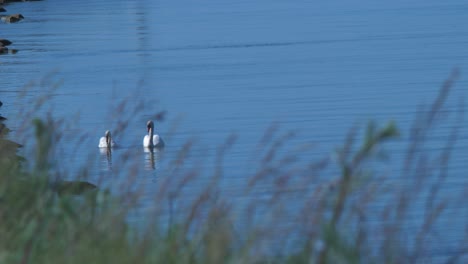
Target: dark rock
(12, 18)
(2, 9)
(3, 50)
(5, 42)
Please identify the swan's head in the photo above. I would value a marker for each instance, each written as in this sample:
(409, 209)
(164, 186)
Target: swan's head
(108, 138)
(150, 125)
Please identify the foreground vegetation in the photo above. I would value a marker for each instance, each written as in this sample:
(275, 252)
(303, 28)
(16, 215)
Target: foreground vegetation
(357, 216)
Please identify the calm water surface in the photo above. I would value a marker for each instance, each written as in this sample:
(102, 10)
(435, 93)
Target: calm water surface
(223, 67)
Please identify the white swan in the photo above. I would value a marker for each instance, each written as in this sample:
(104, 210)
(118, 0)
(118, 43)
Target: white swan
(152, 140)
(106, 141)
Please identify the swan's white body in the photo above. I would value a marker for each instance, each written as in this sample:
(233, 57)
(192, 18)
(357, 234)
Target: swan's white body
(152, 140)
(157, 141)
(106, 141)
(103, 143)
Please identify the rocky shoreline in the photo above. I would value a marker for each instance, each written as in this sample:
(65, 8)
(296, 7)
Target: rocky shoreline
(7, 19)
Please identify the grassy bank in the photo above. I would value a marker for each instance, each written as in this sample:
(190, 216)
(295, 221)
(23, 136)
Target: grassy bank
(353, 217)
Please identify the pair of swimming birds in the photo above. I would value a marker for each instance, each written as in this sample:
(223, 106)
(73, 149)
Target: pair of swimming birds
(150, 141)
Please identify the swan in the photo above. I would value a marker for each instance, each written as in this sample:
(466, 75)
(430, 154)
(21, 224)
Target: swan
(106, 141)
(152, 140)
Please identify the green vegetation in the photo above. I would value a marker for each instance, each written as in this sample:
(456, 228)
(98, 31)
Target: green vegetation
(355, 217)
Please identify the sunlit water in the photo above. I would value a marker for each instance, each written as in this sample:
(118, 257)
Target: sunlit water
(223, 67)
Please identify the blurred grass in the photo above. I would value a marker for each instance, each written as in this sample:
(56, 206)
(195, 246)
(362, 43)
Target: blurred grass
(354, 217)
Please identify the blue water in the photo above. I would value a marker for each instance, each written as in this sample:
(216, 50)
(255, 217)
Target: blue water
(234, 67)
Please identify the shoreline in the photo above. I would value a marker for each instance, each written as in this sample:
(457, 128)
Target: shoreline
(7, 18)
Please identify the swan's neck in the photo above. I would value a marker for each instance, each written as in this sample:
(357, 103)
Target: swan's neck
(150, 134)
(108, 140)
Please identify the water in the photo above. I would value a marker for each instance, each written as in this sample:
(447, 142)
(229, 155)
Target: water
(236, 67)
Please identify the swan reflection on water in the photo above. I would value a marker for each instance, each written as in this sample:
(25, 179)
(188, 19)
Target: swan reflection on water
(152, 158)
(106, 158)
